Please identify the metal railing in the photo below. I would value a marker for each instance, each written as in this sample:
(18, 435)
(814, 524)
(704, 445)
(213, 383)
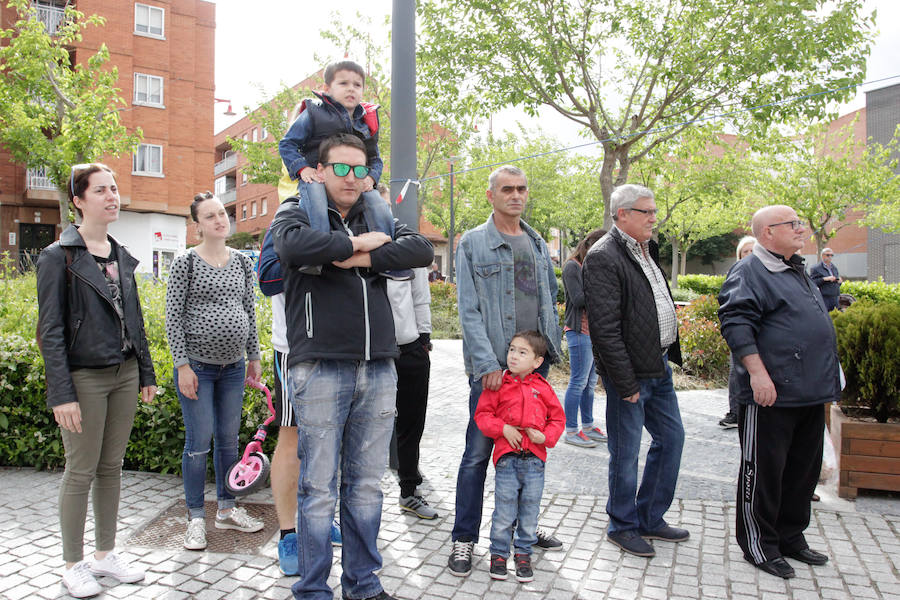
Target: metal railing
(51, 16)
(37, 179)
(228, 196)
(229, 162)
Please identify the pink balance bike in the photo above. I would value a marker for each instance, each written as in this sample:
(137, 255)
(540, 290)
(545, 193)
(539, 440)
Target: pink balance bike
(249, 473)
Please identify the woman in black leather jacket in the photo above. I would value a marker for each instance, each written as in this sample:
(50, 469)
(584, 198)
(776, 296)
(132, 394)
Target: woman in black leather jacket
(96, 357)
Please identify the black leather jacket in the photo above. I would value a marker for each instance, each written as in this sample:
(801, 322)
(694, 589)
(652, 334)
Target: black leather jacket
(622, 315)
(78, 324)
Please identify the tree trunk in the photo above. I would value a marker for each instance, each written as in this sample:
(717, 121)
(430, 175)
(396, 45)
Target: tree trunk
(675, 247)
(63, 207)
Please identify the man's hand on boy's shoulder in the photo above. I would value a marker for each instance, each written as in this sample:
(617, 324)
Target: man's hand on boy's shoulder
(368, 183)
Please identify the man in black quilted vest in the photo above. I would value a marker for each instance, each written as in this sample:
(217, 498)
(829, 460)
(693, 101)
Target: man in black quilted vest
(634, 332)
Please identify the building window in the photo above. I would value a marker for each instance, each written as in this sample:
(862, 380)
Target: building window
(263, 134)
(244, 212)
(148, 89)
(253, 209)
(255, 135)
(148, 160)
(149, 20)
(243, 179)
(245, 137)
(264, 206)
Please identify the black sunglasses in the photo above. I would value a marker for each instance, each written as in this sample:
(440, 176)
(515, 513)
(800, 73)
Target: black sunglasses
(341, 169)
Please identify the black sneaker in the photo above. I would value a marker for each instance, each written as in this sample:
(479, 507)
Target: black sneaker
(729, 421)
(460, 561)
(498, 567)
(523, 568)
(545, 541)
(382, 595)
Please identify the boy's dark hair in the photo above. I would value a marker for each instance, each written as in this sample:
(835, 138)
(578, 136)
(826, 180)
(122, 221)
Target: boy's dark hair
(78, 179)
(344, 65)
(340, 139)
(535, 340)
(198, 199)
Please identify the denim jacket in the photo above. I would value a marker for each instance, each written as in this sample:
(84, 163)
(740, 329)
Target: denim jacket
(486, 297)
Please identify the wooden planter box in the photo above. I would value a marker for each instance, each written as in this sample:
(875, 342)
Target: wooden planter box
(868, 454)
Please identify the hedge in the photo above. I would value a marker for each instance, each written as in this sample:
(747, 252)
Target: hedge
(876, 291)
(702, 284)
(29, 435)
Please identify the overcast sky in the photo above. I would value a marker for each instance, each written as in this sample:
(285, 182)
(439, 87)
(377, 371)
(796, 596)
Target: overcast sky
(274, 43)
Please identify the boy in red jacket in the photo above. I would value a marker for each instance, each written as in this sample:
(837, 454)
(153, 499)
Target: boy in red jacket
(524, 418)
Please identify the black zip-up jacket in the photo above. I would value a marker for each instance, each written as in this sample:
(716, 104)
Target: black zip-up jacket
(78, 323)
(340, 314)
(622, 315)
(771, 308)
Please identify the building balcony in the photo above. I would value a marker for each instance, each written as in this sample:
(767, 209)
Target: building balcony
(37, 179)
(226, 164)
(228, 196)
(50, 15)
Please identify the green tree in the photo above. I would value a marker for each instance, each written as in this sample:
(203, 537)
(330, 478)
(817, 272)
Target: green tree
(702, 185)
(562, 188)
(54, 114)
(633, 73)
(830, 177)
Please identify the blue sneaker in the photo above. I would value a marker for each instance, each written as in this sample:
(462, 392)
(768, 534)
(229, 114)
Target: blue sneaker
(336, 539)
(287, 555)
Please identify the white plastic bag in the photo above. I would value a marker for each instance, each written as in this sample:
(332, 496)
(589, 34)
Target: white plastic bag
(829, 460)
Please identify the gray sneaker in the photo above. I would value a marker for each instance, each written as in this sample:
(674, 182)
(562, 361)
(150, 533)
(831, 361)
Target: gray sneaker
(239, 520)
(195, 536)
(579, 439)
(418, 506)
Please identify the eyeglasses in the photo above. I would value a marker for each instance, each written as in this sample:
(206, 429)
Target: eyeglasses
(509, 189)
(827, 254)
(341, 169)
(795, 224)
(645, 211)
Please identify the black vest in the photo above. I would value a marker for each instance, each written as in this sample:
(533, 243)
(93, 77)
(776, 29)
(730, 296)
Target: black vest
(326, 121)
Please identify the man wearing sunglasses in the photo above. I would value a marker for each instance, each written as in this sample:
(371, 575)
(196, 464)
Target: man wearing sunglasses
(785, 369)
(826, 276)
(341, 371)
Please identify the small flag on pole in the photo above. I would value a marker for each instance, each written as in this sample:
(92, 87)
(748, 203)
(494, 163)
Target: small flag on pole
(403, 191)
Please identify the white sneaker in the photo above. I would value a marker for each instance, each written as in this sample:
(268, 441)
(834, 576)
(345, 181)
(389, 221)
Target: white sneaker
(80, 582)
(240, 520)
(115, 566)
(195, 536)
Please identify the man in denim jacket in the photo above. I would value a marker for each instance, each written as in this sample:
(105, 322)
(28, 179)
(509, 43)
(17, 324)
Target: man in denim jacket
(506, 283)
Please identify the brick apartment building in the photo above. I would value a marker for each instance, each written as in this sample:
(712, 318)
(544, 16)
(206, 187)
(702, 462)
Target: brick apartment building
(165, 54)
(251, 206)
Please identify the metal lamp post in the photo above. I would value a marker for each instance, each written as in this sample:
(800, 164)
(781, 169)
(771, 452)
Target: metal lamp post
(450, 242)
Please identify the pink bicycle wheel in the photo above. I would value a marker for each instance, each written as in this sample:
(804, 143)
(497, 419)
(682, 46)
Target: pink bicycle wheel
(248, 475)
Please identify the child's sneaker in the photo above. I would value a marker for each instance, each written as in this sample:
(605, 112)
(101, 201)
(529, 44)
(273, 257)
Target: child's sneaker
(195, 536)
(498, 567)
(287, 555)
(80, 582)
(115, 566)
(523, 568)
(595, 433)
(580, 439)
(336, 538)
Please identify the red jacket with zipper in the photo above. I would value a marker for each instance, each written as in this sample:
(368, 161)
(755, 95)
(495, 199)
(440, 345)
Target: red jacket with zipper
(525, 402)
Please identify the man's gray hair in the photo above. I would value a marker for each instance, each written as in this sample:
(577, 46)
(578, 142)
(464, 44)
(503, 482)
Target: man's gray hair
(625, 196)
(826, 249)
(510, 169)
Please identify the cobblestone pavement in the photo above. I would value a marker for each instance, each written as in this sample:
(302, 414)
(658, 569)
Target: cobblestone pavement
(862, 537)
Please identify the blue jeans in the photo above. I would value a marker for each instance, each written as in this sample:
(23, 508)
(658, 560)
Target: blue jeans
(345, 411)
(582, 381)
(473, 470)
(656, 409)
(216, 415)
(313, 199)
(518, 487)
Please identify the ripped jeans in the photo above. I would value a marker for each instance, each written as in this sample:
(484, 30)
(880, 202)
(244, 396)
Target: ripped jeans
(215, 415)
(345, 413)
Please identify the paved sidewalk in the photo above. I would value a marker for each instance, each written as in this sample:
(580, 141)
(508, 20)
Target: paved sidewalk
(862, 537)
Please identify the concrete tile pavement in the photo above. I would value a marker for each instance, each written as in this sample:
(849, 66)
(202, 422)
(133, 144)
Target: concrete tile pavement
(862, 538)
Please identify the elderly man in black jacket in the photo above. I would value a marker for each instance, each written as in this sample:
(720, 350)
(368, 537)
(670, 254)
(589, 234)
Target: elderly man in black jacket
(826, 276)
(634, 333)
(785, 368)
